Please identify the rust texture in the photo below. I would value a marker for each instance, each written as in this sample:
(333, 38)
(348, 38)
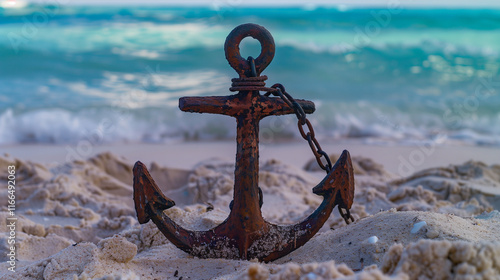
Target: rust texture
(245, 234)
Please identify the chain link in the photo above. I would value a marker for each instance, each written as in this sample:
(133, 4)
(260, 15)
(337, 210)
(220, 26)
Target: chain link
(347, 215)
(309, 136)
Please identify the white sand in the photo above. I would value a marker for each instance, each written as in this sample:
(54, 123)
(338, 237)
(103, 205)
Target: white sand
(76, 219)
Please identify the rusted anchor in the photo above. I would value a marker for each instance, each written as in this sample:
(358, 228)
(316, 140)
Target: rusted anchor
(245, 234)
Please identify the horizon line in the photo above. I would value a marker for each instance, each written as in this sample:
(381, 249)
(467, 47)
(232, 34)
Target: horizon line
(478, 4)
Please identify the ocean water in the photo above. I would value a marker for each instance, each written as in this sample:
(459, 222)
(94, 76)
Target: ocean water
(379, 75)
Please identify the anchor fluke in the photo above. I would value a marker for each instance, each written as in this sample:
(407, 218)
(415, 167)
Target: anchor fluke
(339, 183)
(340, 179)
(147, 195)
(347, 181)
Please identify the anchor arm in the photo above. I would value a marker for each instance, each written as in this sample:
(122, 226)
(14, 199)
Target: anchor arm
(150, 203)
(294, 236)
(332, 188)
(182, 238)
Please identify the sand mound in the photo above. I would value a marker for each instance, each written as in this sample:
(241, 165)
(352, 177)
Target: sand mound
(444, 260)
(79, 201)
(77, 221)
(425, 259)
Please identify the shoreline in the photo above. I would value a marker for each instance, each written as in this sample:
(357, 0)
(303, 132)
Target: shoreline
(402, 160)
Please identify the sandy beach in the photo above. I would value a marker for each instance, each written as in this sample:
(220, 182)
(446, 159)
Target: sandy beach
(422, 212)
(89, 88)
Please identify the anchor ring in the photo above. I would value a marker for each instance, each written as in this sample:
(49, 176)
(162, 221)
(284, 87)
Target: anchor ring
(232, 48)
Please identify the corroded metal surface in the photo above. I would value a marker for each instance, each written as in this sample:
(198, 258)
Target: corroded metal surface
(245, 234)
(232, 49)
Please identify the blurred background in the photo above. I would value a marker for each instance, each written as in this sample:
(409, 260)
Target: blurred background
(384, 72)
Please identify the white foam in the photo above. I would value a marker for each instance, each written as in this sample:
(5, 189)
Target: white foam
(13, 4)
(137, 116)
(110, 125)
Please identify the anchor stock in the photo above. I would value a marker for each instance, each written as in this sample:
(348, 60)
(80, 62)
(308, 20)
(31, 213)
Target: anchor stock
(245, 234)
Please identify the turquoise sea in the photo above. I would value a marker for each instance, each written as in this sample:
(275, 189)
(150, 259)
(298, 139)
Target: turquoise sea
(380, 75)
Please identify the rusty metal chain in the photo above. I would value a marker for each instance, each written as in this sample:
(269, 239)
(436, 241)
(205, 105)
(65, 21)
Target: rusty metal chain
(347, 215)
(309, 136)
(252, 81)
(279, 90)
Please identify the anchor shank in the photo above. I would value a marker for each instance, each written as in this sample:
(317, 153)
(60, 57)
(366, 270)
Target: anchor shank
(246, 210)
